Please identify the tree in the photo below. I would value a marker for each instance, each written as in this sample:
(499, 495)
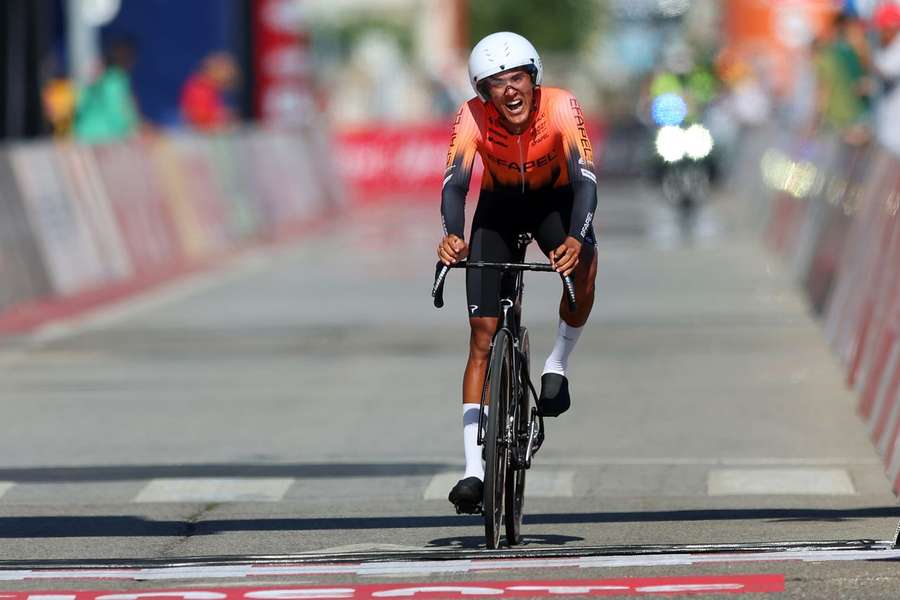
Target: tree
(561, 26)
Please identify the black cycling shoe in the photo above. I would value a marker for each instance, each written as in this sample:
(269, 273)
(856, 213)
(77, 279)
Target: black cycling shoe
(554, 399)
(467, 495)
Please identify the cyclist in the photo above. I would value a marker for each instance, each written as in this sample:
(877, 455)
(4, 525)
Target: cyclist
(538, 182)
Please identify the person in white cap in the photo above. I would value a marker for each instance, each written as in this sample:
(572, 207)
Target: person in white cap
(539, 182)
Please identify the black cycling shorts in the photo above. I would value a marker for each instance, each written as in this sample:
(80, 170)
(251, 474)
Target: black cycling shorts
(500, 225)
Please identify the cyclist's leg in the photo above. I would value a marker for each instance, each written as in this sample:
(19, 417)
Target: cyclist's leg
(493, 240)
(550, 230)
(488, 243)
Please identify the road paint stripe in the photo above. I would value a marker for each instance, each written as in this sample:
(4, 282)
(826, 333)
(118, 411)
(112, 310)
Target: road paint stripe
(538, 484)
(422, 568)
(430, 567)
(5, 486)
(806, 482)
(623, 586)
(213, 489)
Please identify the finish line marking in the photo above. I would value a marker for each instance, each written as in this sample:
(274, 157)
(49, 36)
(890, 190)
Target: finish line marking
(418, 568)
(630, 586)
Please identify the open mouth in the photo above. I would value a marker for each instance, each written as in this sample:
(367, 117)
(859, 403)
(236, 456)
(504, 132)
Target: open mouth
(515, 106)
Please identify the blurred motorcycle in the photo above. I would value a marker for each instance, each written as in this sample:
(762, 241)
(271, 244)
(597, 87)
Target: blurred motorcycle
(683, 162)
(684, 166)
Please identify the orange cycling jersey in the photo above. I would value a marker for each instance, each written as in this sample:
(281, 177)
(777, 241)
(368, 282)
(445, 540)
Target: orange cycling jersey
(553, 152)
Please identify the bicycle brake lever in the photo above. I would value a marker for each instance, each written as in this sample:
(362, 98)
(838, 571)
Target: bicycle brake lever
(570, 291)
(437, 291)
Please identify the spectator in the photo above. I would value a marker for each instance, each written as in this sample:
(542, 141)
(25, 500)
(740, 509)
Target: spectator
(59, 99)
(887, 63)
(203, 104)
(840, 76)
(107, 110)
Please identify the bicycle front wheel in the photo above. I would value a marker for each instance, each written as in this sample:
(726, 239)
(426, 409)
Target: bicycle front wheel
(496, 439)
(519, 418)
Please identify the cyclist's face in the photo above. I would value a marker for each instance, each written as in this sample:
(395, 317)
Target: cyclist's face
(512, 93)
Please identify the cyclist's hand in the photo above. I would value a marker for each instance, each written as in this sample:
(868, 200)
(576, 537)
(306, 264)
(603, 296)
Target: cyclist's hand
(565, 258)
(452, 249)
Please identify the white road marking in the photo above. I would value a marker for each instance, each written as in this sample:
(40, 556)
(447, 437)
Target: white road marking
(538, 484)
(431, 567)
(236, 489)
(365, 548)
(5, 486)
(831, 482)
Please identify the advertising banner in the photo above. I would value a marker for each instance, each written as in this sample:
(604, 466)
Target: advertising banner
(65, 241)
(176, 195)
(82, 178)
(22, 273)
(381, 162)
(191, 195)
(138, 207)
(233, 179)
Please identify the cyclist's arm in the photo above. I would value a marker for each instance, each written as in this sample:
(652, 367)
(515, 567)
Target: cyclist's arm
(580, 158)
(460, 158)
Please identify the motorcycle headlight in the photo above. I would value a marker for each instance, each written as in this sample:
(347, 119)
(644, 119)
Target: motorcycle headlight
(698, 142)
(670, 143)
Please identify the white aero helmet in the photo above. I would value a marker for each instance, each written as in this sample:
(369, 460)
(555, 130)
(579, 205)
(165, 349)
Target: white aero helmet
(501, 51)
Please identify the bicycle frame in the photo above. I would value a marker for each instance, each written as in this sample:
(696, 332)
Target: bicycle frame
(511, 286)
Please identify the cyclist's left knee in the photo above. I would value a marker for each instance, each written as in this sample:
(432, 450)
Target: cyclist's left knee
(586, 272)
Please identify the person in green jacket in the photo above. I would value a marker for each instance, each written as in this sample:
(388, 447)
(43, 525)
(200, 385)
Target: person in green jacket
(106, 110)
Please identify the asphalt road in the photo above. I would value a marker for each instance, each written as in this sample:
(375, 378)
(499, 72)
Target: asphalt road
(306, 399)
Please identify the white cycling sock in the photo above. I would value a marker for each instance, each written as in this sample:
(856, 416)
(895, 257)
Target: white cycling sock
(474, 467)
(566, 338)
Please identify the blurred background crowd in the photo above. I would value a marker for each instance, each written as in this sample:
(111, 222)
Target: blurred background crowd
(103, 70)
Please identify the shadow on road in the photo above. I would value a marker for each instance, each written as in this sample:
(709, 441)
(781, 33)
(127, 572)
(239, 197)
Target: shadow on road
(297, 470)
(119, 526)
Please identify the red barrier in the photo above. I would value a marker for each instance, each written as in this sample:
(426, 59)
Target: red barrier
(873, 356)
(873, 291)
(863, 263)
(845, 246)
(839, 323)
(385, 161)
